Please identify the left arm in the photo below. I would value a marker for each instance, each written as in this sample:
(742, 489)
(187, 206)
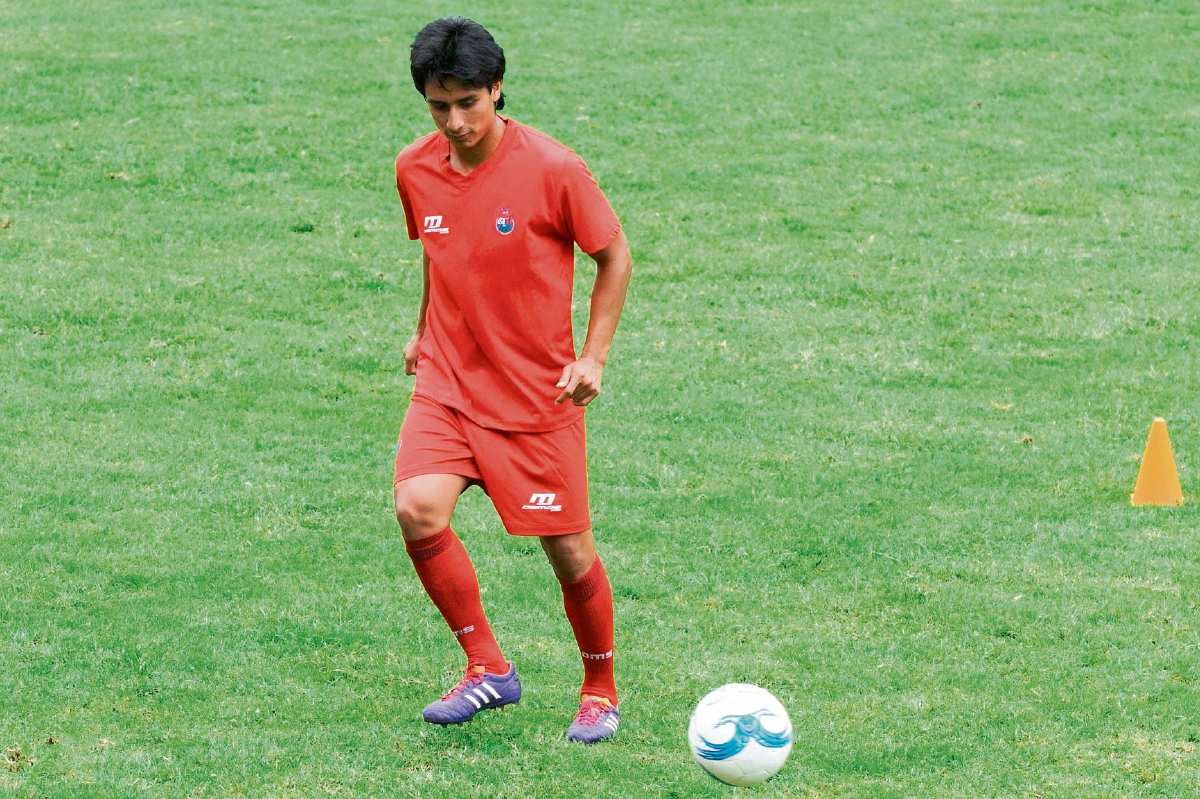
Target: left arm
(580, 381)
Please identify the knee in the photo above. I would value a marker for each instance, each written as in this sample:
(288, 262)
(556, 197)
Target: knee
(573, 565)
(571, 556)
(419, 516)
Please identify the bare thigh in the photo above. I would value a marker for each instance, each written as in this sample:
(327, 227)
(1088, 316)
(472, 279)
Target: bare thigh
(425, 503)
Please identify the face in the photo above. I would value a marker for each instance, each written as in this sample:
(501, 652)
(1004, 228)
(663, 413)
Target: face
(464, 116)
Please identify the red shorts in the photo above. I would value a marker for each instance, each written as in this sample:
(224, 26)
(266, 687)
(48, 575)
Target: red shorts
(537, 481)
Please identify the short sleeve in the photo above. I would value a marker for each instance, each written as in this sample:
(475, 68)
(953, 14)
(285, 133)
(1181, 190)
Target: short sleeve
(589, 218)
(409, 215)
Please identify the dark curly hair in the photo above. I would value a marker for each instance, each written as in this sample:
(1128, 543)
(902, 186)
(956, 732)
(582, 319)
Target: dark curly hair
(457, 48)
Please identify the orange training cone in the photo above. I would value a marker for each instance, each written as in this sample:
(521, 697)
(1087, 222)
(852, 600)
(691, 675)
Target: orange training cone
(1157, 482)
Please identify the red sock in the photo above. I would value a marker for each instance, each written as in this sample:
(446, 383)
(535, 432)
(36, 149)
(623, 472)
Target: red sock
(589, 605)
(449, 578)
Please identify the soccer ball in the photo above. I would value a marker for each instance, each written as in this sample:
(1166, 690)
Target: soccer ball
(740, 734)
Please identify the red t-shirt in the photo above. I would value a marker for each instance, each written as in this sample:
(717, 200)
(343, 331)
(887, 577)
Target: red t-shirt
(501, 246)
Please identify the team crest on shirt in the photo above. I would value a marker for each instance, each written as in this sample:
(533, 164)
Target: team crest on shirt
(504, 222)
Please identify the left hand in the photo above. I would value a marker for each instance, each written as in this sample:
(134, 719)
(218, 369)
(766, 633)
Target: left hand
(580, 381)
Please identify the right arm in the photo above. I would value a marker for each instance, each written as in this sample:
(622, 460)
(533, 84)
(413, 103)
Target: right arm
(412, 350)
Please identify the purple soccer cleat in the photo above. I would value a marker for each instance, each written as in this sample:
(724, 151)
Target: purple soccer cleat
(475, 692)
(595, 721)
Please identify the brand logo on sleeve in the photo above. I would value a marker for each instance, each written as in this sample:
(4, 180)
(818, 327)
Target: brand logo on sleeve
(433, 224)
(542, 502)
(505, 222)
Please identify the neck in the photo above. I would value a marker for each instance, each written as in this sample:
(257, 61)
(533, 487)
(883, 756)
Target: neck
(467, 160)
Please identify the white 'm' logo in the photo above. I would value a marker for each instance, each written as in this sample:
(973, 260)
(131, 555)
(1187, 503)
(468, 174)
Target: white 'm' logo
(433, 224)
(542, 502)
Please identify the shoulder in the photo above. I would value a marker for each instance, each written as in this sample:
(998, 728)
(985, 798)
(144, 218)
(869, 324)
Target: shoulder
(542, 147)
(420, 151)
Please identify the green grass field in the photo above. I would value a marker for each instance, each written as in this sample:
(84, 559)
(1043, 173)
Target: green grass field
(912, 279)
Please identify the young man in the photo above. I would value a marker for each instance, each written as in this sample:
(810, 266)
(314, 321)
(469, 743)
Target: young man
(500, 395)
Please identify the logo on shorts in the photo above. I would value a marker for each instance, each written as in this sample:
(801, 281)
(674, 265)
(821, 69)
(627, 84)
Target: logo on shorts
(433, 224)
(504, 222)
(542, 502)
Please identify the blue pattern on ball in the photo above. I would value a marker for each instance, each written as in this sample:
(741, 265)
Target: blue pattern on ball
(747, 728)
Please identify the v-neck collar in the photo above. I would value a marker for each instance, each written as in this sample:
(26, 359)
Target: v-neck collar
(476, 174)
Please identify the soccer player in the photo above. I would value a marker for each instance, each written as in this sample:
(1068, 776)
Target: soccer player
(500, 394)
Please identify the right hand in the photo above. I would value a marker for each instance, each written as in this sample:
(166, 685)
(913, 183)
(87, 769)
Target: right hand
(412, 352)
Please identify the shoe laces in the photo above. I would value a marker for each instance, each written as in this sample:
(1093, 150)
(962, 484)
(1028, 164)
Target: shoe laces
(469, 680)
(590, 711)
